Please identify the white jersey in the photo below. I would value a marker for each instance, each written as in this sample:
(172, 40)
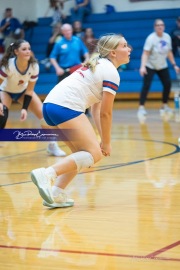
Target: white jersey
(159, 48)
(15, 81)
(84, 88)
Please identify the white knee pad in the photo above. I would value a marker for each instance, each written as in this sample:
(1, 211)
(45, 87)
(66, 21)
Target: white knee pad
(83, 160)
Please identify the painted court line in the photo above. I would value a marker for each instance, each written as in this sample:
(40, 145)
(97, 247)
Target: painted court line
(132, 257)
(164, 249)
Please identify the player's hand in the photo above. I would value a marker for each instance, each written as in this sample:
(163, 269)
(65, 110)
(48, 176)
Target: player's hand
(105, 149)
(23, 115)
(143, 71)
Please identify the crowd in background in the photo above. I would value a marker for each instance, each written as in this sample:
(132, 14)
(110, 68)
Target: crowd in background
(12, 29)
(71, 28)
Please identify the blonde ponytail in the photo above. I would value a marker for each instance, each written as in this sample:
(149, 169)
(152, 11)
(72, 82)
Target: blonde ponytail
(105, 45)
(92, 62)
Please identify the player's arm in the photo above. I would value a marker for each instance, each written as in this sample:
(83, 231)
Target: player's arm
(1, 105)
(173, 62)
(27, 99)
(106, 122)
(95, 112)
(110, 84)
(144, 58)
(30, 87)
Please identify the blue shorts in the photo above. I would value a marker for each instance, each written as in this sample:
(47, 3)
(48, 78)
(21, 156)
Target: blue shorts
(55, 114)
(14, 96)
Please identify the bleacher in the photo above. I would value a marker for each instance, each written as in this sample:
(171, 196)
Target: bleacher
(134, 25)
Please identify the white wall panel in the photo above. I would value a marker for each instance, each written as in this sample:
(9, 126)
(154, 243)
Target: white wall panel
(32, 9)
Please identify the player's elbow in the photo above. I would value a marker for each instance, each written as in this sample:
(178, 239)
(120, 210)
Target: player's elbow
(105, 115)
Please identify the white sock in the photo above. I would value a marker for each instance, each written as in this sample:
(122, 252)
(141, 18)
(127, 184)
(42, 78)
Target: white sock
(56, 191)
(50, 172)
(53, 143)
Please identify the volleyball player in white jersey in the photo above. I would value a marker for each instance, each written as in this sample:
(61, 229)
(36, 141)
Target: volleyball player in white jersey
(157, 49)
(94, 85)
(19, 72)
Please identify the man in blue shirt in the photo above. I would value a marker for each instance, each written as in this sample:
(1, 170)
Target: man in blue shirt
(10, 28)
(67, 52)
(81, 9)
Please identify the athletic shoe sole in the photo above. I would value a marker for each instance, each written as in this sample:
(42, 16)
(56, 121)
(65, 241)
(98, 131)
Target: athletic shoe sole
(58, 205)
(45, 194)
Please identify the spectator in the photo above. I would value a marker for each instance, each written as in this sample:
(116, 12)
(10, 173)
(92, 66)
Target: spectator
(81, 9)
(1, 47)
(157, 49)
(78, 31)
(56, 6)
(175, 34)
(89, 40)
(67, 52)
(19, 72)
(56, 36)
(11, 28)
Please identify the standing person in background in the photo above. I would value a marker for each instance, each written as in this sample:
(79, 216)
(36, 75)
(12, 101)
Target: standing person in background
(56, 6)
(89, 40)
(81, 9)
(175, 35)
(87, 37)
(11, 28)
(55, 37)
(78, 31)
(157, 49)
(93, 85)
(19, 72)
(67, 53)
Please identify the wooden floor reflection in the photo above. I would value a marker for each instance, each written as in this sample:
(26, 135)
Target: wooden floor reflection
(127, 207)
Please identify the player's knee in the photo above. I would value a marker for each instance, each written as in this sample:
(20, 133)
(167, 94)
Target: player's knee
(3, 118)
(83, 160)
